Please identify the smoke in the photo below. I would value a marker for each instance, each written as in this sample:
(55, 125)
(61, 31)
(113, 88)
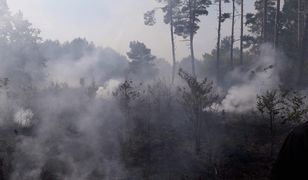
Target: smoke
(108, 88)
(60, 129)
(57, 129)
(73, 129)
(262, 75)
(24, 117)
(80, 59)
(75, 136)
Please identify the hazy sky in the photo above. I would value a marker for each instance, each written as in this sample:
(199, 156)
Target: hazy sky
(114, 24)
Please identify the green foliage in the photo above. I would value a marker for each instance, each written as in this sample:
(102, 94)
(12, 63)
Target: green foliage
(186, 21)
(197, 101)
(169, 8)
(209, 59)
(294, 106)
(289, 30)
(269, 104)
(139, 52)
(254, 21)
(281, 106)
(225, 16)
(151, 141)
(288, 106)
(199, 97)
(126, 93)
(141, 59)
(149, 18)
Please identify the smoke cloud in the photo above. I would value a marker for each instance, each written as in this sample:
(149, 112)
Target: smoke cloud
(262, 75)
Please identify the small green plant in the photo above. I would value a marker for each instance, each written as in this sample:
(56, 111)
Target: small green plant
(270, 107)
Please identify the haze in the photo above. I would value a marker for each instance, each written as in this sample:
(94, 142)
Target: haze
(114, 24)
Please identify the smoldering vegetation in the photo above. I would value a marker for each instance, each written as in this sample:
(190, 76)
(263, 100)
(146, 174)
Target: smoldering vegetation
(75, 111)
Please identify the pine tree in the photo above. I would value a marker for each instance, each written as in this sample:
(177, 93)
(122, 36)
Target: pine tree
(141, 59)
(187, 21)
(262, 23)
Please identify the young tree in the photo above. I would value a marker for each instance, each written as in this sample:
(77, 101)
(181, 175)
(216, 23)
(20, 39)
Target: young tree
(269, 105)
(186, 22)
(170, 8)
(281, 106)
(197, 101)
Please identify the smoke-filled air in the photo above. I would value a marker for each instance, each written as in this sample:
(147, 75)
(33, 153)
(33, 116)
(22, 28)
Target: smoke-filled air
(152, 90)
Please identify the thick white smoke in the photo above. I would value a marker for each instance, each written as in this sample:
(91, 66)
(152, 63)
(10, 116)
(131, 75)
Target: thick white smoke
(24, 117)
(109, 87)
(262, 76)
(100, 64)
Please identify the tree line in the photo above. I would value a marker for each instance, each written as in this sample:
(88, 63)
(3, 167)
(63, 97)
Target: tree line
(284, 27)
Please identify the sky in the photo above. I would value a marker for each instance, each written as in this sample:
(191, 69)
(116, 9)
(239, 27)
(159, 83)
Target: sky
(114, 24)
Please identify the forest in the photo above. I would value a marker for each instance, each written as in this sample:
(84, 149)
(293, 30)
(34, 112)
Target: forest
(77, 111)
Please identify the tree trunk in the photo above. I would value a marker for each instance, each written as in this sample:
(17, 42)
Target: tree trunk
(272, 135)
(218, 44)
(264, 29)
(192, 4)
(242, 31)
(192, 53)
(197, 130)
(172, 44)
(232, 34)
(277, 24)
